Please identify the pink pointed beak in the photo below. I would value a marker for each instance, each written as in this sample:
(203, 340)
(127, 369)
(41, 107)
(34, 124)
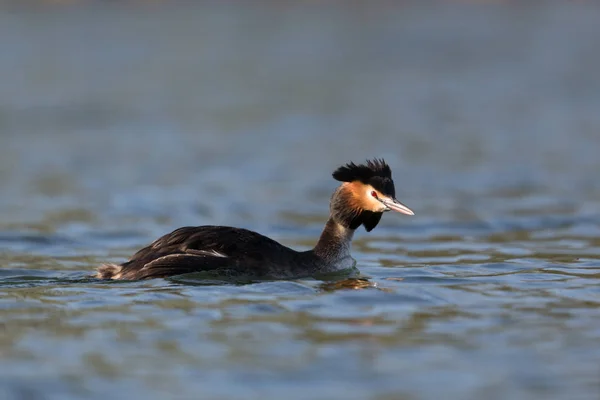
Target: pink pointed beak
(395, 205)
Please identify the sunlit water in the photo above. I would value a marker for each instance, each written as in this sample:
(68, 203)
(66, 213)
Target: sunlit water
(119, 123)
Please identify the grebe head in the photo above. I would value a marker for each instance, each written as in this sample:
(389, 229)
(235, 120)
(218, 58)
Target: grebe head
(366, 193)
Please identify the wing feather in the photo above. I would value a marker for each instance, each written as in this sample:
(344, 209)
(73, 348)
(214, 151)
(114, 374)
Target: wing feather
(177, 264)
(194, 249)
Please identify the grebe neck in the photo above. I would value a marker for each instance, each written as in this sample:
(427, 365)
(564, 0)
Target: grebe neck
(335, 240)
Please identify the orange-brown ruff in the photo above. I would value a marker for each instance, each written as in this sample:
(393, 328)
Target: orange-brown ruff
(366, 192)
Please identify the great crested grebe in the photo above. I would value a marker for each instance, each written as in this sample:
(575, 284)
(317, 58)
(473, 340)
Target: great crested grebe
(367, 190)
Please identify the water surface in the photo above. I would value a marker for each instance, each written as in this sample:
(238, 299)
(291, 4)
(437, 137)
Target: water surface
(122, 121)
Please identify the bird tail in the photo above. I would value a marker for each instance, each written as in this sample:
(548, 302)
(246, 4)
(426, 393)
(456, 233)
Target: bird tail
(109, 271)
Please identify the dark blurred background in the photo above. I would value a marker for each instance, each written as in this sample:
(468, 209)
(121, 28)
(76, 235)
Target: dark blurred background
(106, 103)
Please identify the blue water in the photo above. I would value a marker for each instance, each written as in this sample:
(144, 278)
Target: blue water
(120, 121)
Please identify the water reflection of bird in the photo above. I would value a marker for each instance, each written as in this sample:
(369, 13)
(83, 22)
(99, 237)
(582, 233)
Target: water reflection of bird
(367, 190)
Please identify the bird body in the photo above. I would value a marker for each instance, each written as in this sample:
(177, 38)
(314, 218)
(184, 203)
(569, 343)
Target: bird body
(367, 190)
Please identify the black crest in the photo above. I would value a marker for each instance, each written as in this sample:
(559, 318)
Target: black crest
(374, 172)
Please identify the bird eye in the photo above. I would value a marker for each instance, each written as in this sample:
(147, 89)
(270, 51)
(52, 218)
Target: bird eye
(374, 194)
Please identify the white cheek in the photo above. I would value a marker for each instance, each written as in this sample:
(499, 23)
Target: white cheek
(374, 204)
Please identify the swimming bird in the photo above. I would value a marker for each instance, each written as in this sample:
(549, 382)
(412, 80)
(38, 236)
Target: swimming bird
(365, 193)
